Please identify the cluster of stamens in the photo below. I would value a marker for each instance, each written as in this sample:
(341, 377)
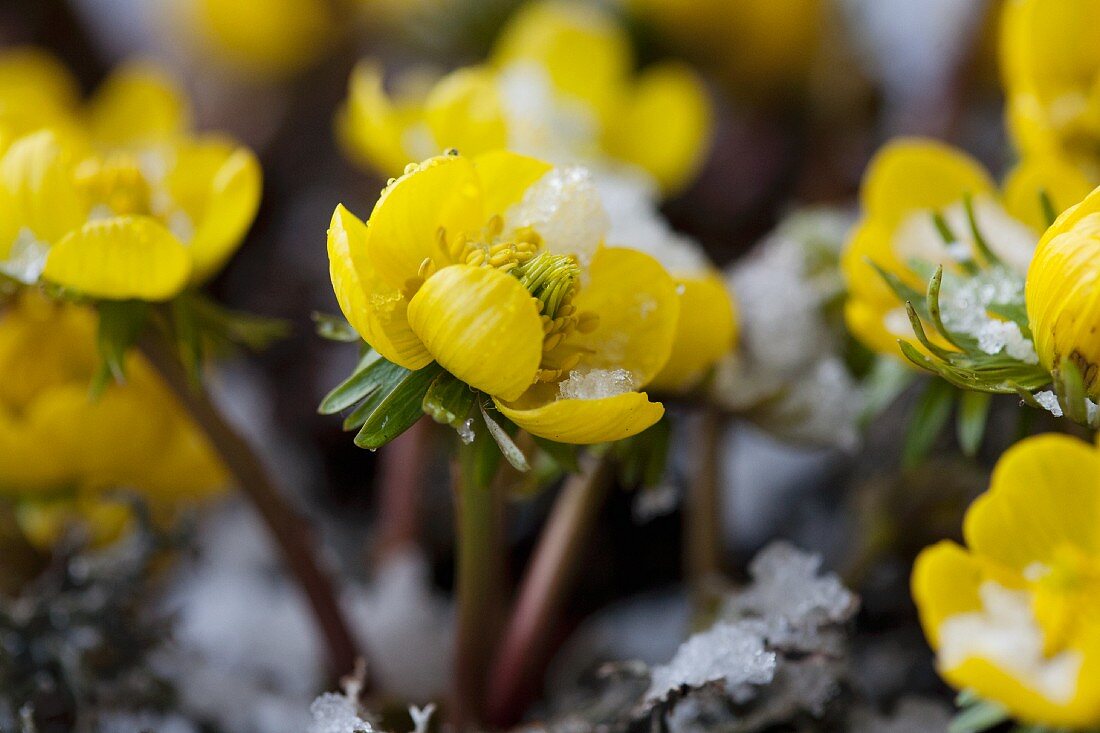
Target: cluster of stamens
(551, 279)
(117, 182)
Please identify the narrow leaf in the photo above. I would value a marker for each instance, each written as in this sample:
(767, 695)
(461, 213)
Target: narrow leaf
(401, 408)
(371, 372)
(971, 420)
(508, 447)
(120, 326)
(980, 243)
(929, 417)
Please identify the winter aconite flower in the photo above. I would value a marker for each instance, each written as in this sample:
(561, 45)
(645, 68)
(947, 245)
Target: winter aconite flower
(1051, 71)
(494, 268)
(63, 451)
(130, 205)
(560, 85)
(36, 90)
(1013, 616)
(926, 205)
(1063, 292)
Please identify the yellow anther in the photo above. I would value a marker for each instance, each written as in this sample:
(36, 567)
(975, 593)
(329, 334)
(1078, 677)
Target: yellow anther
(567, 310)
(547, 375)
(427, 269)
(547, 325)
(494, 227)
(587, 322)
(116, 182)
(570, 362)
(475, 257)
(552, 341)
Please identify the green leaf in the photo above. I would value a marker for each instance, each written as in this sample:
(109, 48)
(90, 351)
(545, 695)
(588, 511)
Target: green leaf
(120, 326)
(643, 457)
(448, 400)
(563, 454)
(978, 716)
(370, 373)
(929, 417)
(971, 420)
(1070, 387)
(334, 328)
(980, 243)
(508, 447)
(399, 410)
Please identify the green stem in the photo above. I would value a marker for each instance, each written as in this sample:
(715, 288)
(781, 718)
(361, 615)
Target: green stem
(285, 526)
(548, 580)
(478, 517)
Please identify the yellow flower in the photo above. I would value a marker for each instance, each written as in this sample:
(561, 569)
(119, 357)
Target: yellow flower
(908, 182)
(765, 47)
(61, 450)
(1061, 294)
(265, 38)
(493, 266)
(1013, 616)
(705, 331)
(36, 90)
(130, 206)
(1051, 69)
(559, 85)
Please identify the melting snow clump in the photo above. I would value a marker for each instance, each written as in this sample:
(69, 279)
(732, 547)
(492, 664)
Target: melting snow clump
(335, 713)
(787, 585)
(965, 304)
(726, 653)
(594, 384)
(564, 207)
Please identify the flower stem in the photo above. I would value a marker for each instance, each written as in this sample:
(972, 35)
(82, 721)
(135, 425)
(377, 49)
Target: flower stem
(285, 526)
(524, 650)
(703, 519)
(403, 466)
(479, 568)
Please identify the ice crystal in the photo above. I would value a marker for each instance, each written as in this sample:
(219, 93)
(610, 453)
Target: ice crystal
(966, 302)
(727, 653)
(466, 431)
(336, 713)
(1049, 401)
(787, 585)
(565, 209)
(27, 258)
(594, 384)
(541, 122)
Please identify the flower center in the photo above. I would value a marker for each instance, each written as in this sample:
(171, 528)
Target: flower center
(1066, 596)
(116, 182)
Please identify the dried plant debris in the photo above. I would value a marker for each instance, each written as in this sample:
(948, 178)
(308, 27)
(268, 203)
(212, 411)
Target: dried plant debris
(777, 655)
(76, 641)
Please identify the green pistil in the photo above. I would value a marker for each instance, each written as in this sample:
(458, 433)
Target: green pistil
(550, 278)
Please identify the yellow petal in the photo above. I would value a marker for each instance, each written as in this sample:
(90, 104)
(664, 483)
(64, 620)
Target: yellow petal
(586, 53)
(36, 90)
(636, 301)
(945, 583)
(441, 193)
(138, 104)
(374, 128)
(482, 326)
(505, 176)
(1062, 182)
(665, 125)
(582, 422)
(377, 311)
(1044, 493)
(120, 258)
(705, 332)
(36, 184)
(910, 175)
(233, 198)
(269, 38)
(464, 111)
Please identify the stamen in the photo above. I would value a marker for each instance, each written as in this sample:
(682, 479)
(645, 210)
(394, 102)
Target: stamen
(117, 182)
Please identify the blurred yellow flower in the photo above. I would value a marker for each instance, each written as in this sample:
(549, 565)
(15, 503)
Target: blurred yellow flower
(1051, 68)
(1062, 283)
(910, 183)
(62, 451)
(258, 38)
(559, 85)
(129, 204)
(36, 90)
(494, 267)
(765, 47)
(1013, 617)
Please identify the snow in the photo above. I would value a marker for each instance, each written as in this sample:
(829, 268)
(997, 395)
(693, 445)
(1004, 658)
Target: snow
(595, 384)
(26, 259)
(466, 431)
(1004, 631)
(726, 653)
(542, 123)
(787, 585)
(1049, 400)
(965, 302)
(335, 713)
(564, 207)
